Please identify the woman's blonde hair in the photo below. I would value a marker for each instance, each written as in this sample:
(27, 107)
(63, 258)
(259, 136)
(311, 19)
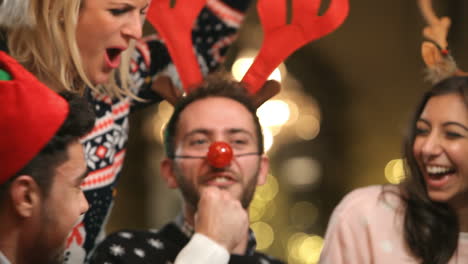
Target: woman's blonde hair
(49, 49)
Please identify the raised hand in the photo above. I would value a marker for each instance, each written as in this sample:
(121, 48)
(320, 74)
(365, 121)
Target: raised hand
(223, 219)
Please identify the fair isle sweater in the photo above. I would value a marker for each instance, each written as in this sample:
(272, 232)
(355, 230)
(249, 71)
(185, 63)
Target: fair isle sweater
(105, 145)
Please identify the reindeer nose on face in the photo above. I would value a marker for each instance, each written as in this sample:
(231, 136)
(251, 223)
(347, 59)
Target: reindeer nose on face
(219, 154)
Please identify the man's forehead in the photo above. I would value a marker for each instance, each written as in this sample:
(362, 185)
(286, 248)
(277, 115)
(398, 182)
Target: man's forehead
(216, 114)
(75, 165)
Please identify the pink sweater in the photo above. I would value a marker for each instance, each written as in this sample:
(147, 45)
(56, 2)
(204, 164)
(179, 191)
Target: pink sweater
(367, 228)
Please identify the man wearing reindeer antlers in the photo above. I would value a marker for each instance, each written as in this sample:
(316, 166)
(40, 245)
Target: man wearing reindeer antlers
(216, 159)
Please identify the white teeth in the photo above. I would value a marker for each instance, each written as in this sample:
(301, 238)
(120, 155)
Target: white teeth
(438, 169)
(221, 179)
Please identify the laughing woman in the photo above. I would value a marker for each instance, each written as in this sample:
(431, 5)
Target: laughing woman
(85, 46)
(424, 219)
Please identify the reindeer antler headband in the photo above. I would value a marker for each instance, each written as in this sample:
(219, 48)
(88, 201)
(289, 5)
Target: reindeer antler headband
(174, 24)
(440, 64)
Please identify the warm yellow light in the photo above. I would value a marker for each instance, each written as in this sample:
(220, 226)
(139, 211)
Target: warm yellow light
(293, 111)
(270, 211)
(159, 121)
(273, 113)
(307, 127)
(165, 110)
(310, 249)
(304, 248)
(275, 75)
(268, 191)
(394, 171)
(268, 139)
(242, 65)
(294, 243)
(264, 235)
(301, 172)
(256, 210)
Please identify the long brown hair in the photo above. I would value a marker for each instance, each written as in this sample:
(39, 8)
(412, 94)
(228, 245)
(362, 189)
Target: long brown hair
(431, 229)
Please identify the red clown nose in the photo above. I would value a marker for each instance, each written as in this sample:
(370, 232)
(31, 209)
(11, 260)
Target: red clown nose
(219, 154)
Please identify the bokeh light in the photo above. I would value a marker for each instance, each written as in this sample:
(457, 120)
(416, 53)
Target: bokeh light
(270, 211)
(301, 172)
(307, 127)
(293, 111)
(304, 248)
(273, 113)
(257, 209)
(264, 235)
(310, 249)
(268, 138)
(394, 171)
(262, 206)
(242, 65)
(160, 119)
(268, 191)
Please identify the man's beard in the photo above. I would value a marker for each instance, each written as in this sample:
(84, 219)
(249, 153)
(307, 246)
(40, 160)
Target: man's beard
(191, 195)
(43, 254)
(46, 253)
(14, 13)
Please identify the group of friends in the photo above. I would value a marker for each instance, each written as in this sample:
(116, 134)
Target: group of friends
(71, 72)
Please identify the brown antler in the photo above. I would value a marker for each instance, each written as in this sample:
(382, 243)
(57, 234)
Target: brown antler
(440, 64)
(437, 29)
(281, 39)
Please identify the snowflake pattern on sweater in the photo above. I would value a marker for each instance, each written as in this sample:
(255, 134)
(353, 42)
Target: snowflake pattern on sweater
(163, 246)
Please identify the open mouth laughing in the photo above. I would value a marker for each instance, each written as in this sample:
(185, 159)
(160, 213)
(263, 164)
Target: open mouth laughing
(438, 176)
(113, 57)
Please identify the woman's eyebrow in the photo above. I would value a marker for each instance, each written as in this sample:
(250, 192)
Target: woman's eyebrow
(452, 123)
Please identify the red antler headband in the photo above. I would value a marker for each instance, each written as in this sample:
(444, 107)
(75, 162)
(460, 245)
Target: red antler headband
(281, 39)
(30, 115)
(175, 27)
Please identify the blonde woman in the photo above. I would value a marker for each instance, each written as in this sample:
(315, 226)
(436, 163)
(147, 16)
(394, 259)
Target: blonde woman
(85, 46)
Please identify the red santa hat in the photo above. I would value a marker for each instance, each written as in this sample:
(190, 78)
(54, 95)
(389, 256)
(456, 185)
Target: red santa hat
(30, 115)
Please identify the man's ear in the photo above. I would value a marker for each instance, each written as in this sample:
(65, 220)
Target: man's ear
(167, 172)
(263, 170)
(25, 195)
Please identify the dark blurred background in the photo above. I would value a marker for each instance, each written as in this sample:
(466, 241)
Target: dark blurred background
(337, 125)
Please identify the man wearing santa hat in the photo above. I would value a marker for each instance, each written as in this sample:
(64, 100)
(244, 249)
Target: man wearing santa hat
(41, 166)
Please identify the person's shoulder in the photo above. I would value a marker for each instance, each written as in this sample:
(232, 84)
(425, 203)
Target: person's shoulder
(361, 196)
(134, 238)
(129, 246)
(129, 234)
(367, 200)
